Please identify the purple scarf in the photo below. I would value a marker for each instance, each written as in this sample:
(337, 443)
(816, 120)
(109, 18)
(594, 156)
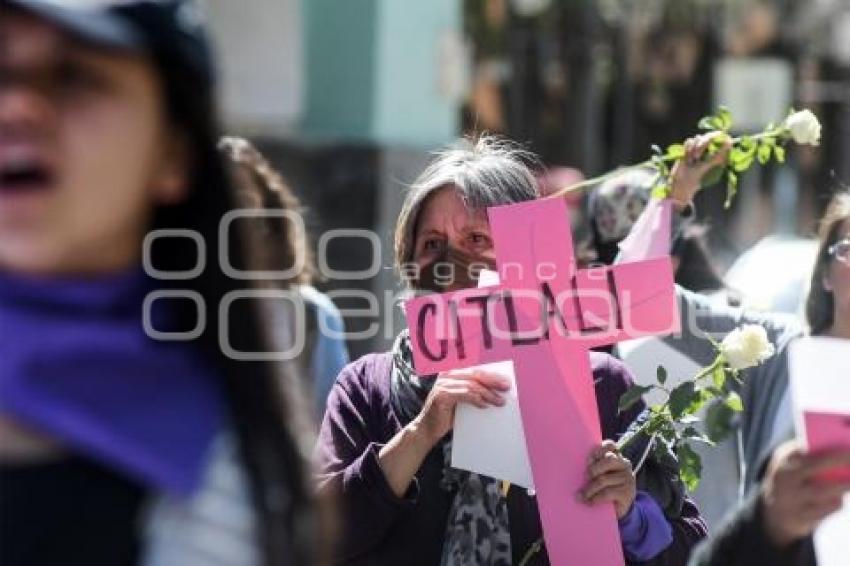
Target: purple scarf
(75, 363)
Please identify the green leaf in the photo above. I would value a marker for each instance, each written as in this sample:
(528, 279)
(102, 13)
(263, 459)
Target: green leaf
(660, 426)
(661, 374)
(741, 159)
(731, 188)
(719, 376)
(764, 152)
(687, 399)
(724, 118)
(734, 402)
(779, 152)
(632, 395)
(712, 177)
(716, 143)
(742, 155)
(707, 123)
(661, 168)
(747, 143)
(675, 151)
(721, 120)
(682, 397)
(660, 191)
(718, 421)
(692, 433)
(690, 466)
(715, 391)
(669, 433)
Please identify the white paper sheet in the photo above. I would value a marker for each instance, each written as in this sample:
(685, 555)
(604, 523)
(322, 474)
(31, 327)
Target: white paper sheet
(820, 381)
(820, 376)
(491, 441)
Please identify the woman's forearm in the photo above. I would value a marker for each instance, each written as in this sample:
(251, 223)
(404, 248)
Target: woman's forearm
(402, 456)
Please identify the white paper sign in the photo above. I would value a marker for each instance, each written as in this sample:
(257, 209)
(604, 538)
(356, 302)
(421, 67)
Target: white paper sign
(820, 381)
(820, 376)
(491, 441)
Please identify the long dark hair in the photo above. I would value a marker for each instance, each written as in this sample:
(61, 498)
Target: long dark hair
(820, 304)
(262, 415)
(266, 188)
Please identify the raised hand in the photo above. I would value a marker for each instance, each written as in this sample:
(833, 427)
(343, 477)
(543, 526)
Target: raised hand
(688, 173)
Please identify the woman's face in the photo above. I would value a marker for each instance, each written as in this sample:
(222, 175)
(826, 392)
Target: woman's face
(838, 278)
(445, 223)
(84, 152)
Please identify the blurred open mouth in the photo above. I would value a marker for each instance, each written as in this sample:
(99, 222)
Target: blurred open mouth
(24, 176)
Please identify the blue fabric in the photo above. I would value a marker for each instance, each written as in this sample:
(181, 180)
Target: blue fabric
(76, 363)
(645, 531)
(330, 353)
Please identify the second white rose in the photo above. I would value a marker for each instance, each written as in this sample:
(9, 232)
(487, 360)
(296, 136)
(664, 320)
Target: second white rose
(746, 347)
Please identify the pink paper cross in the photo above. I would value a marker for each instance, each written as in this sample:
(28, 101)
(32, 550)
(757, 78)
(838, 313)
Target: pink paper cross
(545, 316)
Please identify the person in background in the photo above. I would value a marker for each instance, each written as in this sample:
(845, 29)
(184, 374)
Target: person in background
(324, 352)
(767, 419)
(614, 207)
(775, 523)
(123, 440)
(385, 443)
(767, 415)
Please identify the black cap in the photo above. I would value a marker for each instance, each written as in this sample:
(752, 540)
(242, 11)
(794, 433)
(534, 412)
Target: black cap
(172, 29)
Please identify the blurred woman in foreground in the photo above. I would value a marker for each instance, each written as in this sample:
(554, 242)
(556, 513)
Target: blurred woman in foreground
(107, 134)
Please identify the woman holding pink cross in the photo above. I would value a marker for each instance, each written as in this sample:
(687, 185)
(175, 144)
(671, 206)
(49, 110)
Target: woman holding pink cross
(386, 438)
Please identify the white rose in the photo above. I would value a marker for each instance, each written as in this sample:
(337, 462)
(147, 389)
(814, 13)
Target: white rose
(746, 347)
(804, 127)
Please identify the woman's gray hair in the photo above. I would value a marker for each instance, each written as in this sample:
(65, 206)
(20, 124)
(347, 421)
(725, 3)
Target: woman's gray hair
(486, 171)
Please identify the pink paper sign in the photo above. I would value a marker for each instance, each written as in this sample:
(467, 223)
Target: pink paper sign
(544, 316)
(826, 432)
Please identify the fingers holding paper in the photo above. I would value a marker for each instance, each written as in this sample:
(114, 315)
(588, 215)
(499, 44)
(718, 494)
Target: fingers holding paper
(479, 388)
(402, 456)
(610, 479)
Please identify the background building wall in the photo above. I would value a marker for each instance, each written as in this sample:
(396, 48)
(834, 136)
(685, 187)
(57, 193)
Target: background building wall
(259, 47)
(347, 98)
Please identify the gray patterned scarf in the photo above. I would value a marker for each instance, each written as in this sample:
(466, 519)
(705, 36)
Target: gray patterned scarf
(477, 528)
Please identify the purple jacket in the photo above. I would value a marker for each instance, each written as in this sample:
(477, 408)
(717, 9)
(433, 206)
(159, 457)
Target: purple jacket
(379, 528)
